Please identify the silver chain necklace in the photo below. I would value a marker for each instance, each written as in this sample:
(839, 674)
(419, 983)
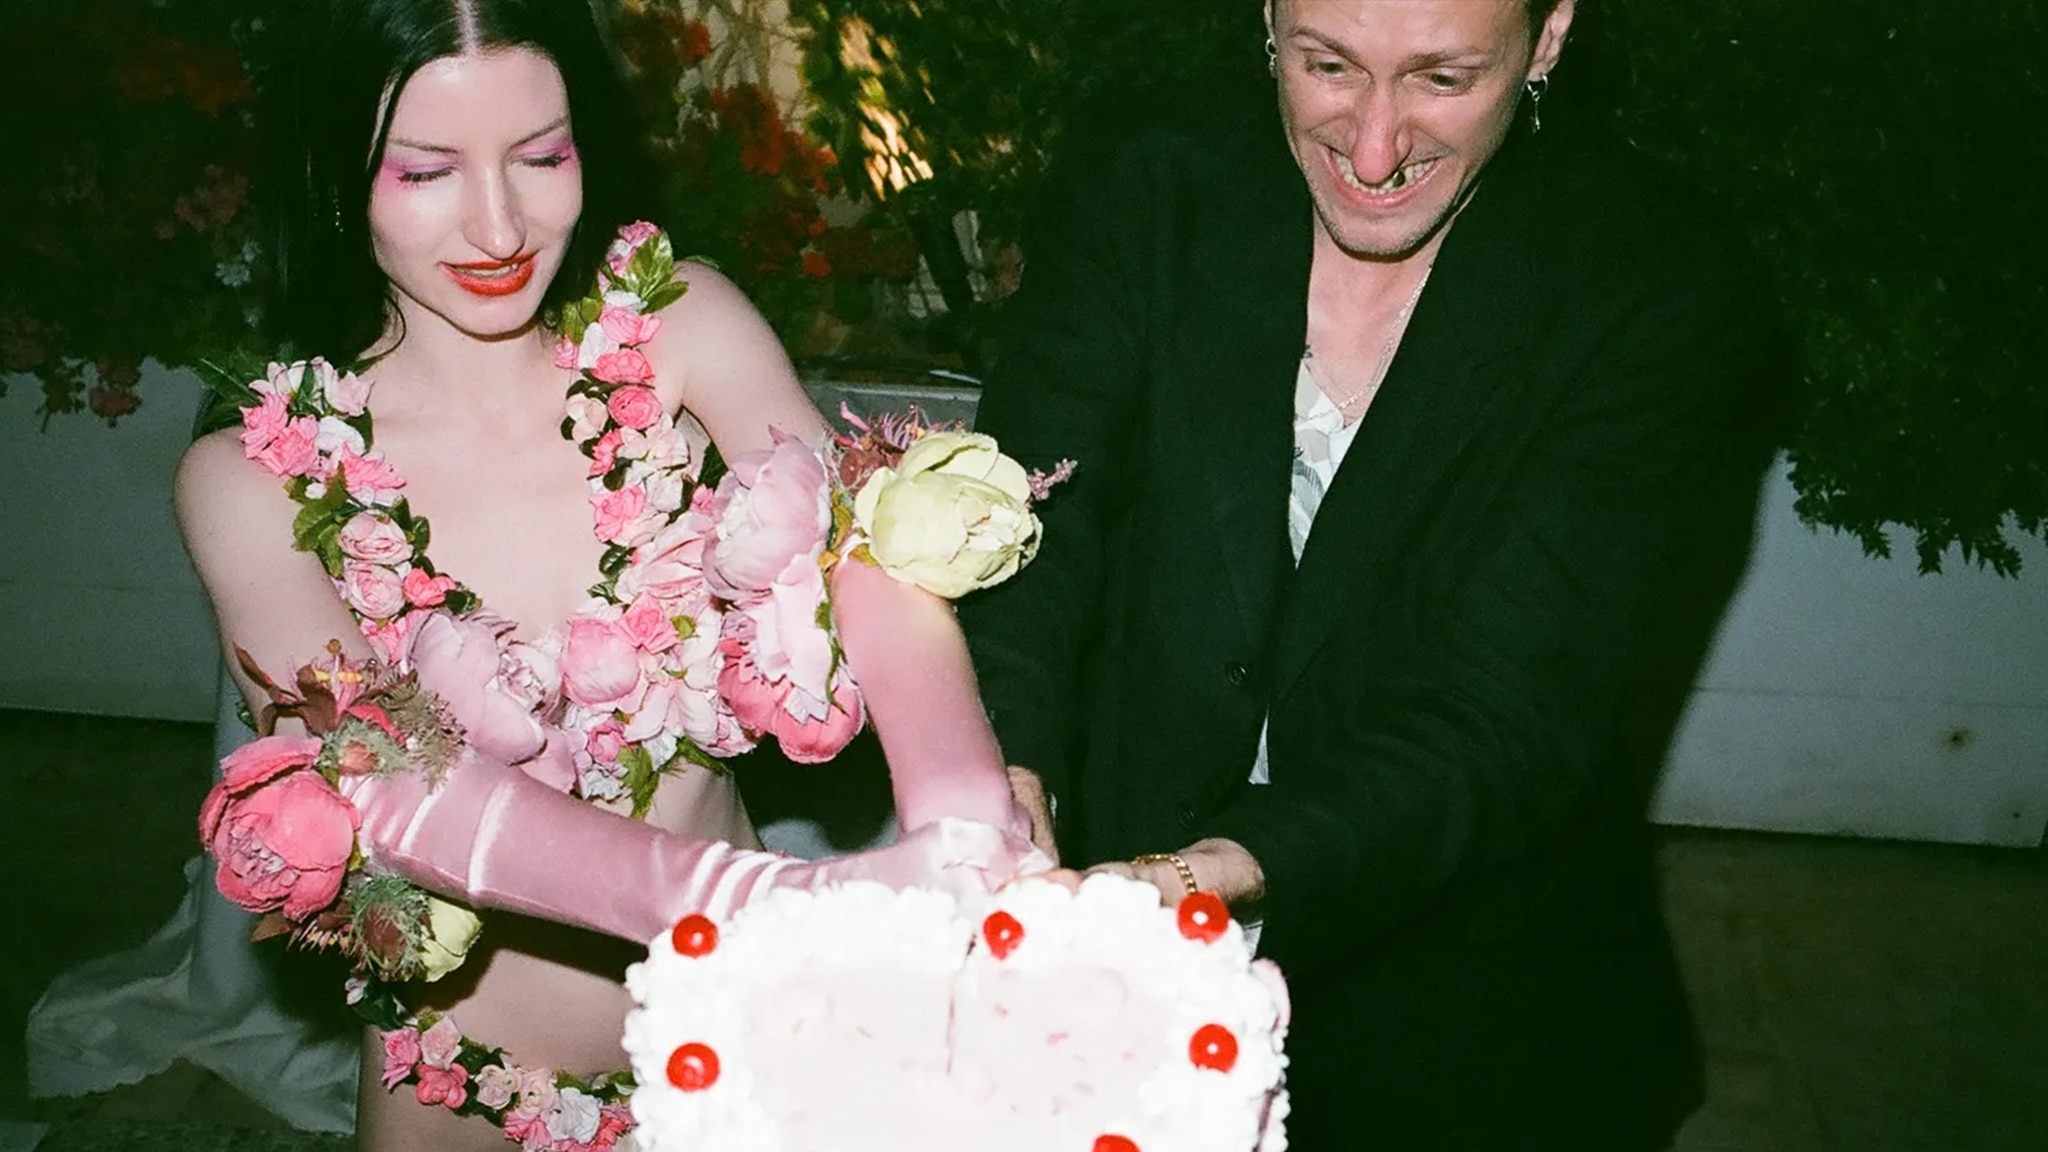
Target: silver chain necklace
(1387, 346)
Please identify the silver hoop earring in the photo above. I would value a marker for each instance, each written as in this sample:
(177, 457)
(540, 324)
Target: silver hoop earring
(1536, 88)
(1272, 57)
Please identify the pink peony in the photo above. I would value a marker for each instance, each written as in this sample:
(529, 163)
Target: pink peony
(600, 664)
(281, 844)
(291, 451)
(635, 406)
(425, 591)
(618, 514)
(442, 1085)
(625, 366)
(760, 704)
(772, 511)
(463, 660)
(374, 538)
(373, 590)
(628, 327)
(401, 1053)
(262, 422)
(266, 759)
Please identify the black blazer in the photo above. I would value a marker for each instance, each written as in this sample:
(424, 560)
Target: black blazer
(1458, 872)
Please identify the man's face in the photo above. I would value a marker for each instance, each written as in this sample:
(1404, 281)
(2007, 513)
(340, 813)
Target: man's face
(1392, 107)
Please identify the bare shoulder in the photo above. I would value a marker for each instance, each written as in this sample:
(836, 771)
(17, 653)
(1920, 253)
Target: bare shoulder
(268, 596)
(728, 366)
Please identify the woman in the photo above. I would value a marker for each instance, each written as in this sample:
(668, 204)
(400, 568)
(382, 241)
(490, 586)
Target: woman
(456, 168)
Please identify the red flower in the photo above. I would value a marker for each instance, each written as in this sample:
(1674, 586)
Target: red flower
(816, 265)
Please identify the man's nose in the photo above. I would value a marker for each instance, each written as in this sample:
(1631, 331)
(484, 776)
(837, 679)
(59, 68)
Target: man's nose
(1380, 141)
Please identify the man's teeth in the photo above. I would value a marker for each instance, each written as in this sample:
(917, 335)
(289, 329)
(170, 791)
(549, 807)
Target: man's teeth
(1400, 178)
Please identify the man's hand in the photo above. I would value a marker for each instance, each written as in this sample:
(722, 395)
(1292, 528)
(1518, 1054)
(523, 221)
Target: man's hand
(1220, 866)
(1029, 793)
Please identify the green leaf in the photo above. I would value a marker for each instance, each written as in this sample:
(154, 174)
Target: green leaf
(641, 778)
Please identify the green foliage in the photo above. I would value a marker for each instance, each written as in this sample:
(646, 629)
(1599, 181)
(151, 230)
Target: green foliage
(1858, 146)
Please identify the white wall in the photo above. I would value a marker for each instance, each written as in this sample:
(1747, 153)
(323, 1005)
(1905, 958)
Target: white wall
(1852, 695)
(99, 610)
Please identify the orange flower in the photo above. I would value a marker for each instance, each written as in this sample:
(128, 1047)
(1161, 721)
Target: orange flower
(815, 265)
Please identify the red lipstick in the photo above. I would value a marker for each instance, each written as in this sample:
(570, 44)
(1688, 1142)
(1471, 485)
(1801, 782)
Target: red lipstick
(492, 277)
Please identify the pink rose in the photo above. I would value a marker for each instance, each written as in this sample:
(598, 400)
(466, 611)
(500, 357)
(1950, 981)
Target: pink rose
(605, 742)
(772, 511)
(426, 591)
(637, 233)
(440, 1044)
(628, 327)
(600, 665)
(262, 423)
(495, 1085)
(281, 379)
(401, 1052)
(585, 414)
(604, 453)
(565, 353)
(442, 1085)
(537, 1094)
(346, 393)
(370, 479)
(374, 538)
(618, 513)
(393, 638)
(462, 660)
(281, 844)
(635, 406)
(373, 590)
(625, 366)
(291, 451)
(648, 626)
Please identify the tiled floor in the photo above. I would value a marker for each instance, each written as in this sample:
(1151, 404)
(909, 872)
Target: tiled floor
(1853, 996)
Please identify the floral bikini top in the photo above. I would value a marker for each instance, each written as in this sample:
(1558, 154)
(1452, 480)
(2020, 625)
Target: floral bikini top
(666, 664)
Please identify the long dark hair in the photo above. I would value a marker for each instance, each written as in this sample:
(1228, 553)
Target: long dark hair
(329, 98)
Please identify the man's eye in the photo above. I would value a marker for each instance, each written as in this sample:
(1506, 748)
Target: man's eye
(1447, 82)
(1325, 66)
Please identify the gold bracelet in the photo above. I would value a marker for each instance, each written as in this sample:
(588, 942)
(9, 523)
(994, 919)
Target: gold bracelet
(1187, 874)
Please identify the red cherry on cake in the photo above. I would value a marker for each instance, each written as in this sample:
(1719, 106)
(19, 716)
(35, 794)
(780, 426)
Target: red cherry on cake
(1115, 1144)
(693, 1067)
(1213, 1047)
(1003, 933)
(1203, 916)
(694, 936)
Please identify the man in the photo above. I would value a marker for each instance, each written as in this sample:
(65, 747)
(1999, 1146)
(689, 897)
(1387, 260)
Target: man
(1533, 383)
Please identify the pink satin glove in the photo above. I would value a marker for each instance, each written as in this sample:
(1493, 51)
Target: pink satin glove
(493, 837)
(911, 662)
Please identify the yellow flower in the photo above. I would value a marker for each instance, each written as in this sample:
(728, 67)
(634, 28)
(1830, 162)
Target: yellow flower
(954, 515)
(451, 930)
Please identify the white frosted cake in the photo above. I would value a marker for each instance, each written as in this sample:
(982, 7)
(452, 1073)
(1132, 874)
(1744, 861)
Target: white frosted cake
(859, 1019)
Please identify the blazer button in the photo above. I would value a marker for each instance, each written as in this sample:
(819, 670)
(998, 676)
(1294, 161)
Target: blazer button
(1186, 815)
(1237, 673)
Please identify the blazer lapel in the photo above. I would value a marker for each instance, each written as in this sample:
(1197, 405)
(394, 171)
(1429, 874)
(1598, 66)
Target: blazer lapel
(1246, 319)
(1452, 367)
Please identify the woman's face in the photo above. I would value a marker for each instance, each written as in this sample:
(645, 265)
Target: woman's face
(479, 190)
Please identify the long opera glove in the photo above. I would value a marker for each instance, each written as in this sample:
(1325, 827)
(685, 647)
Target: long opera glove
(493, 837)
(908, 656)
